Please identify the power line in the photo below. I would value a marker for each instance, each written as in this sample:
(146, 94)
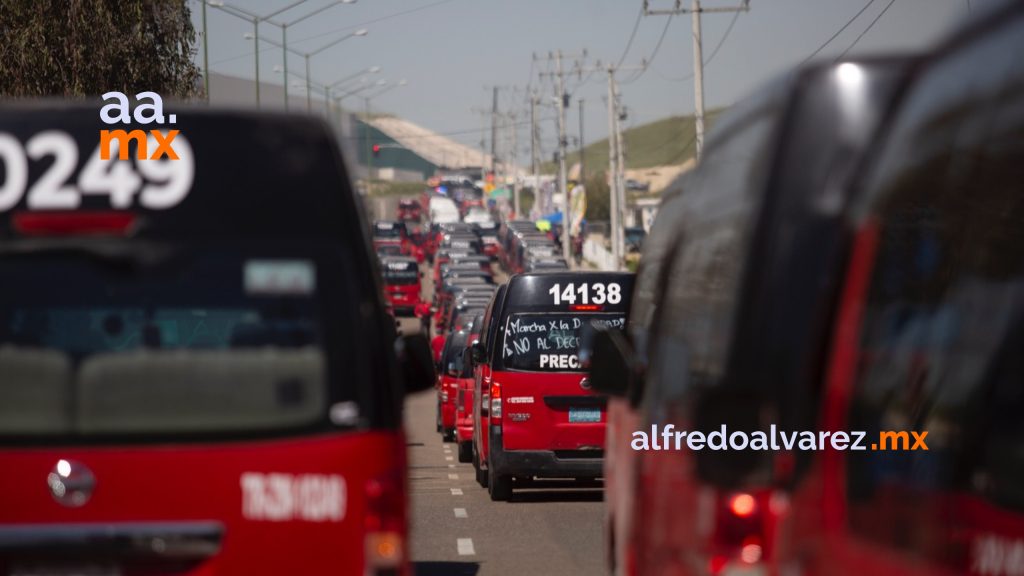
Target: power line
(838, 32)
(714, 52)
(877, 18)
(657, 48)
(632, 36)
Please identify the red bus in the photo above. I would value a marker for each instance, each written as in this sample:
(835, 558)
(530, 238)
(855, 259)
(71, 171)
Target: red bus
(543, 420)
(198, 372)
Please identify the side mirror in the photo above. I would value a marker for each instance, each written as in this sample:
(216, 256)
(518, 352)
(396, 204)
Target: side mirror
(477, 353)
(413, 352)
(610, 361)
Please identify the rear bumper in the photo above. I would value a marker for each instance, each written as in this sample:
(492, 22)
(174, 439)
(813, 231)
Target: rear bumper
(543, 463)
(463, 432)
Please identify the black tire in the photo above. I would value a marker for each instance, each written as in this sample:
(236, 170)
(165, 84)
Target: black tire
(438, 416)
(499, 486)
(481, 474)
(448, 435)
(465, 452)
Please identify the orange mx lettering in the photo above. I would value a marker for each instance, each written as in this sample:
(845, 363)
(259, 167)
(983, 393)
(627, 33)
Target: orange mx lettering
(163, 144)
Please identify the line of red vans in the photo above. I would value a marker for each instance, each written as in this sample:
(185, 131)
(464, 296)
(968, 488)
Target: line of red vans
(848, 255)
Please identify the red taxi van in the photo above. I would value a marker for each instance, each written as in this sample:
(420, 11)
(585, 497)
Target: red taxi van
(730, 318)
(401, 284)
(542, 418)
(450, 376)
(391, 233)
(198, 373)
(464, 396)
(929, 335)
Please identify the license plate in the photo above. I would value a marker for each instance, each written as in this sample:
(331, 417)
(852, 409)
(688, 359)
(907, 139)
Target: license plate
(584, 415)
(65, 570)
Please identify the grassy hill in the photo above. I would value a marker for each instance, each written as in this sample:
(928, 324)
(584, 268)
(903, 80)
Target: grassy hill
(660, 143)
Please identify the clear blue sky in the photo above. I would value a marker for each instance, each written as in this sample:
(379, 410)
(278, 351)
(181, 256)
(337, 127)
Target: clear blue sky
(450, 50)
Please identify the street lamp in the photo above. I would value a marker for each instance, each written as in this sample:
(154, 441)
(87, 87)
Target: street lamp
(307, 55)
(284, 38)
(243, 15)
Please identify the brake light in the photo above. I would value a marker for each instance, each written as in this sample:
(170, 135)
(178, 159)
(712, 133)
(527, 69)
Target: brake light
(385, 525)
(495, 403)
(585, 307)
(73, 223)
(744, 528)
(743, 505)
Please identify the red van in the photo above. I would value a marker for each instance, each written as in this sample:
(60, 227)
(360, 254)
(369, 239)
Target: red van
(198, 373)
(401, 284)
(730, 319)
(929, 335)
(450, 375)
(464, 397)
(543, 419)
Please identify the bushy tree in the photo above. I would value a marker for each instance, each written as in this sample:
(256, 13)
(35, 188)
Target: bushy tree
(76, 48)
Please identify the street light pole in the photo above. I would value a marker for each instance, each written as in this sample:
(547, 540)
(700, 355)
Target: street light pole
(284, 57)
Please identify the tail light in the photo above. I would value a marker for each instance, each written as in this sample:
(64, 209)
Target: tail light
(744, 530)
(495, 403)
(385, 521)
(74, 223)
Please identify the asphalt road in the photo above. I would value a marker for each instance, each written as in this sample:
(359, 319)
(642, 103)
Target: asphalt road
(550, 527)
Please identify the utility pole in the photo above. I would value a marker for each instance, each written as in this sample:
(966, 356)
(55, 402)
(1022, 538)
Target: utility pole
(613, 167)
(562, 176)
(514, 158)
(620, 181)
(534, 162)
(695, 11)
(369, 149)
(494, 133)
(206, 57)
(583, 164)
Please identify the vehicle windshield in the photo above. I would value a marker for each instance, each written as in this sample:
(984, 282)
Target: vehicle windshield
(210, 341)
(547, 342)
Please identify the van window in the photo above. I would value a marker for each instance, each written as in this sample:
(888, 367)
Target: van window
(548, 342)
(199, 341)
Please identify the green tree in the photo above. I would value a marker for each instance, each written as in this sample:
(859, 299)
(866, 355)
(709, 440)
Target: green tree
(77, 48)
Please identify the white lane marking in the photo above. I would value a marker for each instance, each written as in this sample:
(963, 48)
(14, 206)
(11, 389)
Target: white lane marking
(449, 458)
(447, 448)
(461, 513)
(451, 465)
(456, 491)
(465, 546)
(453, 476)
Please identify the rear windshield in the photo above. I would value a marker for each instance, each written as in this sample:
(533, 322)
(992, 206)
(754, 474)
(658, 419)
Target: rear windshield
(177, 342)
(400, 273)
(547, 342)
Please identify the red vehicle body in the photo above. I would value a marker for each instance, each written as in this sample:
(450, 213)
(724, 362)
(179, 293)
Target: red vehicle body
(464, 399)
(543, 421)
(401, 284)
(450, 380)
(209, 383)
